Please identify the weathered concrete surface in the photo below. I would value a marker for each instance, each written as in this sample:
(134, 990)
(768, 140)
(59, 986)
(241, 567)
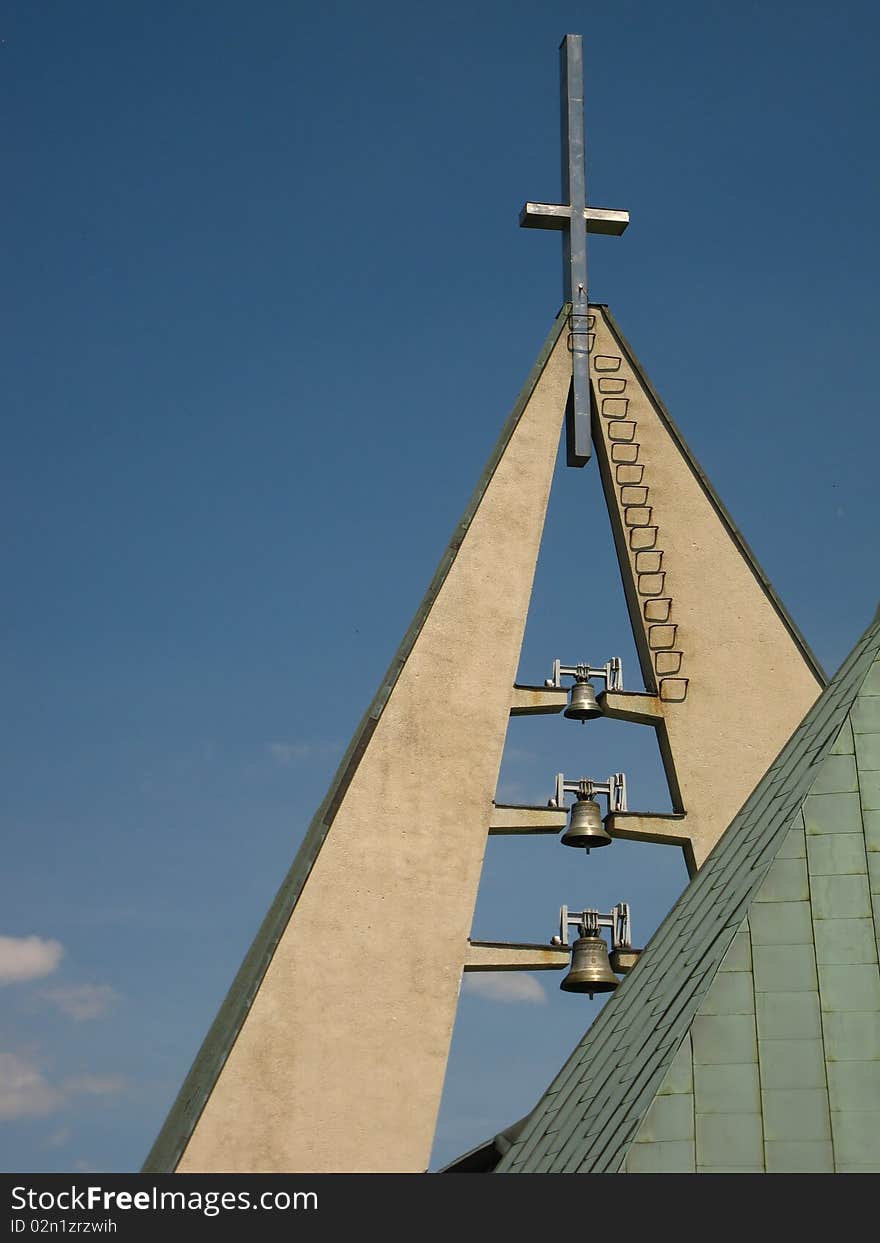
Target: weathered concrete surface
(536, 700)
(506, 818)
(636, 826)
(733, 677)
(629, 706)
(498, 956)
(339, 1065)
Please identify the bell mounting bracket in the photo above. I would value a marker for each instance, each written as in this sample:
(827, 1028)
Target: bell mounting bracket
(611, 672)
(614, 789)
(588, 922)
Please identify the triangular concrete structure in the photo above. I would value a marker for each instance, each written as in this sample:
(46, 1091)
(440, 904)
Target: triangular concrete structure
(330, 1050)
(394, 853)
(748, 1035)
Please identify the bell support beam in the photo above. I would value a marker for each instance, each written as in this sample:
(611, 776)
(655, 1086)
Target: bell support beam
(623, 960)
(638, 826)
(538, 700)
(519, 819)
(636, 706)
(510, 956)
(641, 709)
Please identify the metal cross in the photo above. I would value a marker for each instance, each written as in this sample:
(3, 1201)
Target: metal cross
(575, 220)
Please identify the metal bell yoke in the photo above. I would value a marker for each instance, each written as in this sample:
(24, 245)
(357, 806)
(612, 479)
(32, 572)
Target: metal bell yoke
(585, 827)
(583, 705)
(591, 971)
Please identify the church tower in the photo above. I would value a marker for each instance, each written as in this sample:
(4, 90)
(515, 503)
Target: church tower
(726, 678)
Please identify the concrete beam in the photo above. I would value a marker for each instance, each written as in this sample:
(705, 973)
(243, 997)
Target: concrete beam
(640, 826)
(517, 819)
(536, 700)
(623, 960)
(635, 706)
(509, 956)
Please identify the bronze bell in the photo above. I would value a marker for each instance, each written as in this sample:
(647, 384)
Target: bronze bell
(582, 703)
(590, 970)
(585, 828)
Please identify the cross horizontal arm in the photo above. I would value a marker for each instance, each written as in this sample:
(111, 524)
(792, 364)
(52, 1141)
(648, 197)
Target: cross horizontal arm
(557, 216)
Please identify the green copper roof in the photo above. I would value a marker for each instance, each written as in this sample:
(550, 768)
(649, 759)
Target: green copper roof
(748, 1035)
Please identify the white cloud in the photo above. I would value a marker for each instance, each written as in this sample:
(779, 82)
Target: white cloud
(24, 1091)
(94, 1085)
(509, 986)
(287, 753)
(58, 1139)
(519, 755)
(28, 958)
(81, 1001)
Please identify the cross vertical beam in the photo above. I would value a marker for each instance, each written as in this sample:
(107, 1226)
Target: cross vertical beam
(576, 220)
(574, 243)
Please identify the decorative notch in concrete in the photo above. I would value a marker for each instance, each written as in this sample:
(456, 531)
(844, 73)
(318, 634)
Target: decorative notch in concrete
(657, 610)
(673, 690)
(632, 477)
(661, 637)
(651, 584)
(624, 453)
(642, 537)
(667, 662)
(633, 494)
(650, 563)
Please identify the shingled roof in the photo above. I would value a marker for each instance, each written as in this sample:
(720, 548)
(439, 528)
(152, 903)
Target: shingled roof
(709, 1016)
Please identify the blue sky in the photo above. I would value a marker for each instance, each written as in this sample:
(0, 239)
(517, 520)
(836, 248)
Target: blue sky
(255, 254)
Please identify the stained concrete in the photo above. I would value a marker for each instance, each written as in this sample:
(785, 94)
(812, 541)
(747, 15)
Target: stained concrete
(339, 1065)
